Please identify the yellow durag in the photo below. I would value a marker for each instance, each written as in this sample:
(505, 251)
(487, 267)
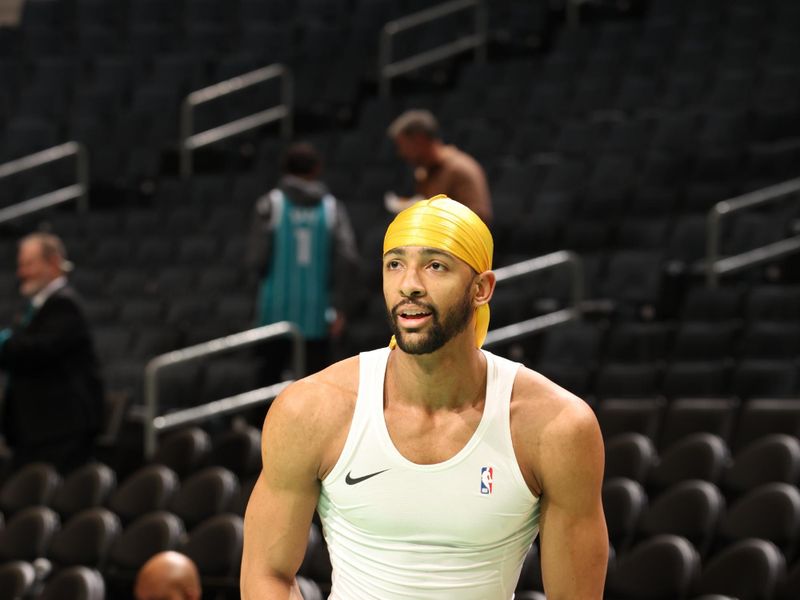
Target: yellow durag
(445, 224)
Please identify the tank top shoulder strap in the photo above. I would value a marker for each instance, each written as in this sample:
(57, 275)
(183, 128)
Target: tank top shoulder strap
(500, 374)
(371, 373)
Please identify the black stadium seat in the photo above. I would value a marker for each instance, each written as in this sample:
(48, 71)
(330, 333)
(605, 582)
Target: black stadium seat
(751, 568)
(86, 487)
(663, 566)
(151, 533)
(239, 450)
(27, 535)
(702, 456)
(624, 501)
(769, 512)
(765, 378)
(148, 489)
(627, 380)
(620, 415)
(205, 494)
(686, 416)
(184, 451)
(85, 539)
(630, 455)
(691, 509)
(32, 485)
(697, 378)
(216, 547)
(773, 457)
(75, 583)
(763, 416)
(17, 579)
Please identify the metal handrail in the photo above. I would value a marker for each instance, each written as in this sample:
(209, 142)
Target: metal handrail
(79, 190)
(155, 423)
(389, 70)
(540, 263)
(716, 266)
(190, 141)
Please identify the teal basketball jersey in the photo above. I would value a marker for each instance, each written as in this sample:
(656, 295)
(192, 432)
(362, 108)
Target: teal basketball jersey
(296, 287)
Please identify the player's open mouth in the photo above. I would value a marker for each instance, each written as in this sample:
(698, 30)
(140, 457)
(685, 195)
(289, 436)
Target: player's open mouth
(413, 315)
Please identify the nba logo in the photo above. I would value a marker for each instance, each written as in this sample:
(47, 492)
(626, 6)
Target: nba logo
(487, 480)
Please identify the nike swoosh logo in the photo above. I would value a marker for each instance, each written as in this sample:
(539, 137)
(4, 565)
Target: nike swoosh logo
(354, 480)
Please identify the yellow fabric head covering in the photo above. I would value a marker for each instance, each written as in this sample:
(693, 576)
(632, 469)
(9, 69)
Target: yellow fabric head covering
(445, 224)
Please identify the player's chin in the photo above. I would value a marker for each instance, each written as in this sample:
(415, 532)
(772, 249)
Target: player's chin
(416, 343)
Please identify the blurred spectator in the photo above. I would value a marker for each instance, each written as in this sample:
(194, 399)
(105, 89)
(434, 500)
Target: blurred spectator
(168, 576)
(302, 248)
(53, 401)
(439, 168)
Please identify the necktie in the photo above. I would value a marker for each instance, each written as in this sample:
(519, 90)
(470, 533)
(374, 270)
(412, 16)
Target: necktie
(30, 310)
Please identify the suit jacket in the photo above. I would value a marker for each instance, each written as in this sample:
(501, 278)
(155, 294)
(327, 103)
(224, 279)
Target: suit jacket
(54, 390)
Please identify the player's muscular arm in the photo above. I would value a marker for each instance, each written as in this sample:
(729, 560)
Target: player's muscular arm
(282, 504)
(560, 450)
(573, 535)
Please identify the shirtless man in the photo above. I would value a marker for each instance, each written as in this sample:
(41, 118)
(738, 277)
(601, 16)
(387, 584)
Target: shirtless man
(439, 168)
(433, 464)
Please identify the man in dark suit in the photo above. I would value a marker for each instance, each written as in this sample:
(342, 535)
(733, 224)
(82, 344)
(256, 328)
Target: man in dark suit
(53, 403)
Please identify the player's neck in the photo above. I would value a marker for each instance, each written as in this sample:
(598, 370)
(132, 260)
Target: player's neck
(451, 377)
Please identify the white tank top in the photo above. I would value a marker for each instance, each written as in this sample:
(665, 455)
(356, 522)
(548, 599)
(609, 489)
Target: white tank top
(400, 530)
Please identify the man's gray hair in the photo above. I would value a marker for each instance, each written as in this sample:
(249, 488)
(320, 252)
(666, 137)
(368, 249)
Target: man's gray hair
(52, 246)
(415, 121)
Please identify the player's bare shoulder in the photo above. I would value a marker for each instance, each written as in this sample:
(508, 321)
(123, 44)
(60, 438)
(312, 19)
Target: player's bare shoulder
(313, 414)
(322, 399)
(539, 401)
(545, 418)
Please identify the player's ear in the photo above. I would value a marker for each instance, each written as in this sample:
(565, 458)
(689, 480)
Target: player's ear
(484, 284)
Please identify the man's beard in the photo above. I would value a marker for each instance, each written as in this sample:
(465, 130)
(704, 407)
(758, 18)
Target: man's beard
(440, 331)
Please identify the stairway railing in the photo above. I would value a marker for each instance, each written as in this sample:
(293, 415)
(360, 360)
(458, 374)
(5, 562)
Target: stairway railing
(78, 191)
(388, 70)
(716, 266)
(189, 141)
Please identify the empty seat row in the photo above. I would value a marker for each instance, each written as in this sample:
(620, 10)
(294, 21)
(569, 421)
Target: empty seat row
(210, 492)
(697, 511)
(189, 466)
(96, 539)
(745, 379)
(705, 456)
(669, 566)
(736, 423)
(691, 339)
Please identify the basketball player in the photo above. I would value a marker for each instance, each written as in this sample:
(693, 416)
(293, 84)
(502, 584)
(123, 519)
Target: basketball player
(433, 464)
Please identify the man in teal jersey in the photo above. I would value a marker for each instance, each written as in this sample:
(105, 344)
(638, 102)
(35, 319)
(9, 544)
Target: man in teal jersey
(303, 249)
